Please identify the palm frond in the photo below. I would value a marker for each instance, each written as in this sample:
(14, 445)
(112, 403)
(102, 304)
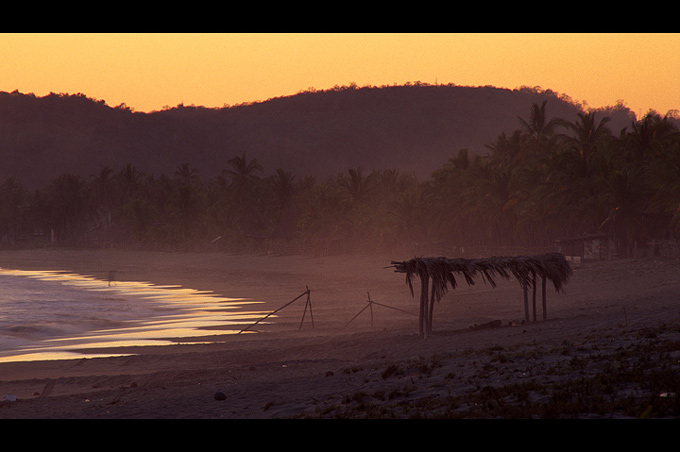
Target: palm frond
(442, 271)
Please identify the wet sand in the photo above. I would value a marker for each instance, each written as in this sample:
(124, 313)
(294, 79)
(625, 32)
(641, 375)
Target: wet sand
(343, 366)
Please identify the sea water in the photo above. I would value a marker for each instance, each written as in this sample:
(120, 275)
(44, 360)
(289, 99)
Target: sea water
(63, 315)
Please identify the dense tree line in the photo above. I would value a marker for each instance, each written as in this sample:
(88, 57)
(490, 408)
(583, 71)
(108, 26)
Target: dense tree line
(555, 178)
(549, 178)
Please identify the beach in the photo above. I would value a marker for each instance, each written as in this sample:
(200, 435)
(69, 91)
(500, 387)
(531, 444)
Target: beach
(334, 358)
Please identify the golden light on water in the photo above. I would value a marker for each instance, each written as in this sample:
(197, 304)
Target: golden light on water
(186, 314)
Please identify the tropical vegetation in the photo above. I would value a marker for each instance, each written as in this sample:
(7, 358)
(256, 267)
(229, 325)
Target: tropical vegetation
(549, 178)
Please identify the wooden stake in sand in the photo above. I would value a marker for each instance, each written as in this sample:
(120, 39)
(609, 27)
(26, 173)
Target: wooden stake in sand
(308, 304)
(370, 306)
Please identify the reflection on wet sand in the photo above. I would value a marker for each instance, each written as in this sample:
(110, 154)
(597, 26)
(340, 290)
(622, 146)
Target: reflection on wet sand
(186, 314)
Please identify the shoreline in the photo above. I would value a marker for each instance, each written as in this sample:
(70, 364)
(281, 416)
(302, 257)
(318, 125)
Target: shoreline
(155, 315)
(340, 369)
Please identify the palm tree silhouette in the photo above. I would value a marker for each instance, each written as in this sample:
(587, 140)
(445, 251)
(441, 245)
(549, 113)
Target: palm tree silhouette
(242, 172)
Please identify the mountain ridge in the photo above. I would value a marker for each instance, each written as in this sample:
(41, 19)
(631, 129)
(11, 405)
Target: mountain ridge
(410, 128)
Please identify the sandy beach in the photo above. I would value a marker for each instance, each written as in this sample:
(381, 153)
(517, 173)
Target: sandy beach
(609, 348)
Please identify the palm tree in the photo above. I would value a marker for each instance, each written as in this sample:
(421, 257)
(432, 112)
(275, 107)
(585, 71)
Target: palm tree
(462, 196)
(587, 137)
(508, 151)
(13, 200)
(625, 201)
(70, 203)
(130, 180)
(538, 128)
(462, 160)
(662, 171)
(406, 216)
(187, 203)
(186, 175)
(284, 188)
(576, 174)
(650, 136)
(325, 213)
(358, 186)
(243, 210)
(242, 172)
(104, 195)
(493, 202)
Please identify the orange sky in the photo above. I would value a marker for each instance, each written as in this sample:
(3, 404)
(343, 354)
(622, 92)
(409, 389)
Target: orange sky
(151, 71)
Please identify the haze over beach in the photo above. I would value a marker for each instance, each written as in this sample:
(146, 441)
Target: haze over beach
(327, 225)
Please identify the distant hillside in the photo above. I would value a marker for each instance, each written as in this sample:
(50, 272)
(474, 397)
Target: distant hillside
(413, 128)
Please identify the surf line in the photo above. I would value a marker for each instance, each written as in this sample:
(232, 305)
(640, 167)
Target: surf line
(190, 315)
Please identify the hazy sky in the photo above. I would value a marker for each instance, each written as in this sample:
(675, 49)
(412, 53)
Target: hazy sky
(151, 71)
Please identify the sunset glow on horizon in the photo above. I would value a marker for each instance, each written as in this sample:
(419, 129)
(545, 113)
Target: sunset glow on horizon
(149, 72)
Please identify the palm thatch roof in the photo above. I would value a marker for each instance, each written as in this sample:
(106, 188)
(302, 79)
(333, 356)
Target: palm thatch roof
(552, 266)
(443, 273)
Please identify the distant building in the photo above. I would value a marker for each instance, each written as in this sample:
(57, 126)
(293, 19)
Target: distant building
(586, 247)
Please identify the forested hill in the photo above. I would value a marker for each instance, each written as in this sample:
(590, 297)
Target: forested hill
(413, 128)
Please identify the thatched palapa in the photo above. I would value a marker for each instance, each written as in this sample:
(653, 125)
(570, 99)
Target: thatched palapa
(443, 272)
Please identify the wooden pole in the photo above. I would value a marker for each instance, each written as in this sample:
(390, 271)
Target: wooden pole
(370, 304)
(533, 299)
(429, 317)
(526, 302)
(309, 300)
(274, 312)
(357, 315)
(308, 303)
(545, 308)
(424, 285)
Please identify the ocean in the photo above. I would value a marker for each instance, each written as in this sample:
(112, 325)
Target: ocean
(46, 315)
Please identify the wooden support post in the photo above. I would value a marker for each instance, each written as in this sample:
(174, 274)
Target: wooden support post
(357, 315)
(526, 302)
(545, 308)
(424, 286)
(533, 299)
(277, 310)
(370, 305)
(309, 300)
(307, 304)
(430, 314)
